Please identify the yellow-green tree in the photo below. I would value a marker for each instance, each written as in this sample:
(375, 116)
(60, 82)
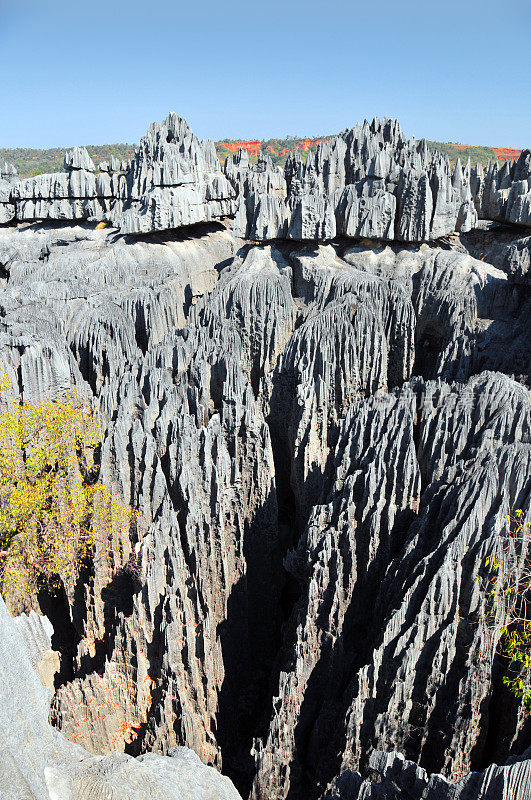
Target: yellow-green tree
(507, 583)
(53, 508)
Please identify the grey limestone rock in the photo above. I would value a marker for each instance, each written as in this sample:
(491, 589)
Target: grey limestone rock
(366, 210)
(85, 300)
(260, 178)
(375, 183)
(503, 247)
(201, 595)
(175, 180)
(347, 559)
(254, 297)
(367, 182)
(78, 159)
(398, 778)
(322, 441)
(8, 177)
(77, 194)
(504, 193)
(8, 172)
(38, 763)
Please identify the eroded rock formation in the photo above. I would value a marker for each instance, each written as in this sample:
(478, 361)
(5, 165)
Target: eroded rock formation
(398, 778)
(369, 181)
(322, 440)
(39, 763)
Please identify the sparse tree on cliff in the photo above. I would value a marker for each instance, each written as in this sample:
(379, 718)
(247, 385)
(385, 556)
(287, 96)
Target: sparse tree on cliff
(53, 508)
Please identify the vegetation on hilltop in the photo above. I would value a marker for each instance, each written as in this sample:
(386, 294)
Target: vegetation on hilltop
(34, 162)
(476, 153)
(30, 161)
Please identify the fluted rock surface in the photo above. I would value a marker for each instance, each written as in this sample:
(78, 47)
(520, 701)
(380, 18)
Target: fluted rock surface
(367, 182)
(204, 478)
(322, 441)
(174, 180)
(260, 178)
(398, 778)
(8, 176)
(504, 247)
(80, 304)
(370, 181)
(418, 611)
(38, 763)
(264, 426)
(77, 194)
(504, 193)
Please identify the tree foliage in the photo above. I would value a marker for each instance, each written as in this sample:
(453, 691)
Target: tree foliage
(53, 508)
(507, 583)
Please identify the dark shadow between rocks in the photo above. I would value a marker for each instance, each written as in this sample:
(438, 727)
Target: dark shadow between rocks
(54, 604)
(250, 638)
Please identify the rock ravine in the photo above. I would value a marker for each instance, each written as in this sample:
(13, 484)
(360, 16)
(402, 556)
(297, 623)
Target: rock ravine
(314, 385)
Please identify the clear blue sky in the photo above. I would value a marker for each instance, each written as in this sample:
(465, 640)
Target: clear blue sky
(92, 72)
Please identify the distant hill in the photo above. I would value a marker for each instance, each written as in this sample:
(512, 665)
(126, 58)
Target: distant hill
(478, 154)
(278, 149)
(34, 162)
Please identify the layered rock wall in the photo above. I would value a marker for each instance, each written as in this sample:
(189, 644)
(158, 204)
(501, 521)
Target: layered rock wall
(368, 182)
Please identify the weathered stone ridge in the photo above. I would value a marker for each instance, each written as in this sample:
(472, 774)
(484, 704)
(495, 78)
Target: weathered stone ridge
(173, 181)
(322, 439)
(367, 182)
(371, 182)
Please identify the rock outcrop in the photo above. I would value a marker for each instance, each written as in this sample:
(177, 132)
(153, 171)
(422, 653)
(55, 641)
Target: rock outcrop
(38, 763)
(504, 193)
(174, 180)
(76, 194)
(368, 182)
(256, 426)
(398, 778)
(427, 629)
(8, 177)
(322, 440)
(81, 303)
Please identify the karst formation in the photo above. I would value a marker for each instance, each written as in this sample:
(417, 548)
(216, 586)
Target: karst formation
(315, 389)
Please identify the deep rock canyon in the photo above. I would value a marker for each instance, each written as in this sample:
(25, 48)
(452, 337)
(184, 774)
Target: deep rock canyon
(315, 388)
